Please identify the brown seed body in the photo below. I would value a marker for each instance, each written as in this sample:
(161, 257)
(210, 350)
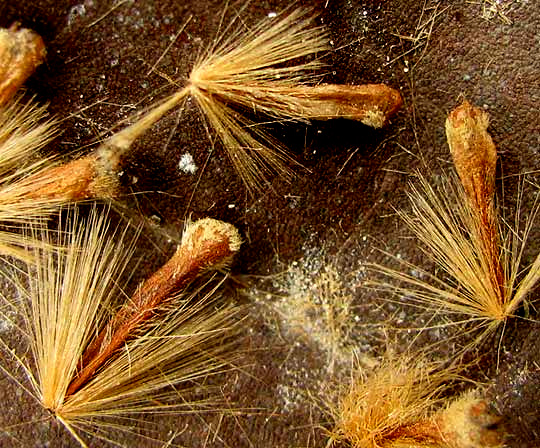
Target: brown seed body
(371, 104)
(21, 52)
(74, 181)
(473, 152)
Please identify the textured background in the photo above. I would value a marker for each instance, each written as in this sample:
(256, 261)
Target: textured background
(340, 208)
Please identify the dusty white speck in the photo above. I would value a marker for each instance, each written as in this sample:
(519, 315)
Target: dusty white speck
(154, 219)
(232, 205)
(272, 14)
(75, 13)
(187, 164)
(6, 324)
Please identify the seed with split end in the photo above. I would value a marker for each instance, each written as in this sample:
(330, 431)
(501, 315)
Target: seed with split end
(21, 52)
(207, 243)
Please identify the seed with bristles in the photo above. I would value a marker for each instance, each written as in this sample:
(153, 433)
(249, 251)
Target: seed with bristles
(160, 343)
(462, 234)
(475, 159)
(207, 243)
(402, 403)
(263, 71)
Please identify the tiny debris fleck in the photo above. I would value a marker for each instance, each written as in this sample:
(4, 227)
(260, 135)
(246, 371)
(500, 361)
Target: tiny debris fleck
(232, 205)
(272, 14)
(74, 13)
(155, 220)
(5, 325)
(187, 164)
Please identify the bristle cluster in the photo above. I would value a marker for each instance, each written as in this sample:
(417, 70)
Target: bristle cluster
(390, 405)
(24, 130)
(439, 220)
(258, 68)
(69, 298)
(155, 343)
(256, 72)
